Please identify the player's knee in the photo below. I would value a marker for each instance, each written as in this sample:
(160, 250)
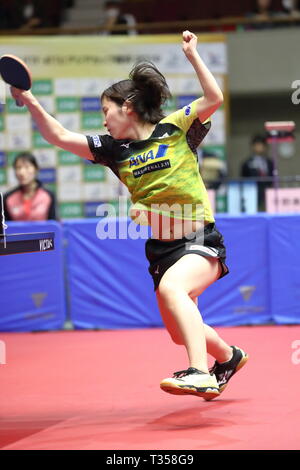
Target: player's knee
(167, 290)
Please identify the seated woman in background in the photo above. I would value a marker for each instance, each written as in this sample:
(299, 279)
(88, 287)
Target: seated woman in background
(29, 200)
(114, 16)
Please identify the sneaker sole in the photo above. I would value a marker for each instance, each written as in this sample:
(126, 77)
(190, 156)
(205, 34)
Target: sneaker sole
(207, 394)
(238, 367)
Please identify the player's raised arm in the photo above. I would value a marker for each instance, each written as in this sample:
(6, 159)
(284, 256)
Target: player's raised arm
(213, 96)
(51, 129)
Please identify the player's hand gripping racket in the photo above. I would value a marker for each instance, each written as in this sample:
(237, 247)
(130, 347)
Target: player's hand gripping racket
(16, 73)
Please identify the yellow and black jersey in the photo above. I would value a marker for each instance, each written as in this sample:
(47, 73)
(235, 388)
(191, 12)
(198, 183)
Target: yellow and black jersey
(161, 172)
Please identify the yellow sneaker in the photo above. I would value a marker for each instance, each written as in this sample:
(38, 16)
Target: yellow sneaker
(191, 382)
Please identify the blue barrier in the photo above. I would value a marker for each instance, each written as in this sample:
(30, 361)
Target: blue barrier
(241, 297)
(32, 284)
(284, 239)
(109, 286)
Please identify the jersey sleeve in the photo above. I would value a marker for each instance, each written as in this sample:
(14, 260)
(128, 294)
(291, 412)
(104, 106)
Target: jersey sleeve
(101, 147)
(185, 117)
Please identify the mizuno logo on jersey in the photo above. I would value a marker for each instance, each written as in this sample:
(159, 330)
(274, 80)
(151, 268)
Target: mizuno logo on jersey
(187, 110)
(97, 141)
(144, 157)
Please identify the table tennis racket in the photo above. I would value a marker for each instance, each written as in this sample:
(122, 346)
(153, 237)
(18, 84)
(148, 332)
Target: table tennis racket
(15, 72)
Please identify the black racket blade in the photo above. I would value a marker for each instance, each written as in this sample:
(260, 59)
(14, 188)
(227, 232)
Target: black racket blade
(15, 72)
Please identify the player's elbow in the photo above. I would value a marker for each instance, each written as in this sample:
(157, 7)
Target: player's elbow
(215, 103)
(218, 99)
(211, 103)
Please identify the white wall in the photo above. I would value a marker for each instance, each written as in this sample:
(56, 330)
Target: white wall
(262, 67)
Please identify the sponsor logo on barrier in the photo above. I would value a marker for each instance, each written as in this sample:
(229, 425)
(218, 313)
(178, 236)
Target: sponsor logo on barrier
(38, 298)
(43, 316)
(247, 292)
(46, 244)
(249, 309)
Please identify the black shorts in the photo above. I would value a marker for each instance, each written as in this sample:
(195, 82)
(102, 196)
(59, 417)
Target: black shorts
(163, 254)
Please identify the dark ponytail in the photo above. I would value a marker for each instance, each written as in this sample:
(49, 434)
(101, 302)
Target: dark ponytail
(147, 90)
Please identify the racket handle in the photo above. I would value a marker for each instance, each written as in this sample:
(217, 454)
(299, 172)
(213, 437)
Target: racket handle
(18, 102)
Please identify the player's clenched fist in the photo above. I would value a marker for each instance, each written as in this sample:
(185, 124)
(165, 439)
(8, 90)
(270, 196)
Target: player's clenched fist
(189, 44)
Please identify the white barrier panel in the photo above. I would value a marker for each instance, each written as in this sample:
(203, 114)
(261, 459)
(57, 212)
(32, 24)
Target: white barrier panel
(242, 198)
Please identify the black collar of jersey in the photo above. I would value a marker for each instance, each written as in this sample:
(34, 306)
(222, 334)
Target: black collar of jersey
(160, 130)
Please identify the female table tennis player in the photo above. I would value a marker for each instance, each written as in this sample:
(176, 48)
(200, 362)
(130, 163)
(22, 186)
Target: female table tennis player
(155, 157)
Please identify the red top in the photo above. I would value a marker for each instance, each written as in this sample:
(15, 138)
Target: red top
(40, 207)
